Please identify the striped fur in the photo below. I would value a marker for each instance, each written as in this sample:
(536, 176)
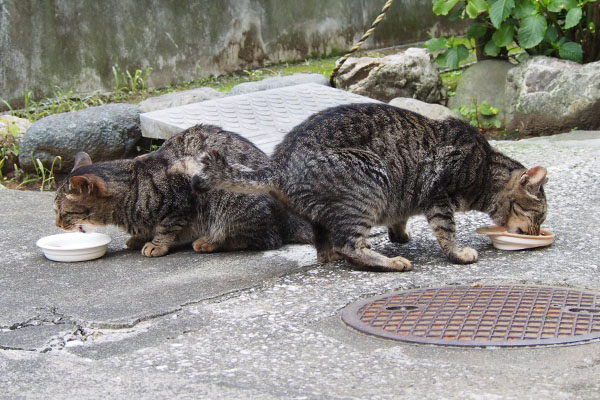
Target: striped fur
(150, 197)
(352, 167)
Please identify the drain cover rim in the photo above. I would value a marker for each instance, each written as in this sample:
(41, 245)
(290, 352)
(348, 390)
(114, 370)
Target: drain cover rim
(350, 316)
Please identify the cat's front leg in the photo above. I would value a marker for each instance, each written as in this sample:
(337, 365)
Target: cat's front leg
(441, 220)
(164, 236)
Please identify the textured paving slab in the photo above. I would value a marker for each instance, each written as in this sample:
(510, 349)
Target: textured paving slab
(262, 117)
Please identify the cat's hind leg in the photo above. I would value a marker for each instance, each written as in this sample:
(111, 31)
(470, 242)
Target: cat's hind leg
(348, 236)
(357, 253)
(322, 241)
(202, 246)
(398, 232)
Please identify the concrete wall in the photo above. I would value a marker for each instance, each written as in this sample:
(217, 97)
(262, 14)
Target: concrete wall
(73, 44)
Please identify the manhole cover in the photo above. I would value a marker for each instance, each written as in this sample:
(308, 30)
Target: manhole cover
(500, 315)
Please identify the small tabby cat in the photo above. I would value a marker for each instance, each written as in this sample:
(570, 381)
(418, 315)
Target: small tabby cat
(151, 198)
(349, 168)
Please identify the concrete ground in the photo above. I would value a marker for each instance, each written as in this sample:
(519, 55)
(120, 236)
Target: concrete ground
(266, 325)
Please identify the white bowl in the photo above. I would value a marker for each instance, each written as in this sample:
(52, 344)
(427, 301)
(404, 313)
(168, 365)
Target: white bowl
(503, 240)
(74, 246)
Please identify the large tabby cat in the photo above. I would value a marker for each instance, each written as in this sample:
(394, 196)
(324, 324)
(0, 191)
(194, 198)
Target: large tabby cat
(151, 198)
(351, 167)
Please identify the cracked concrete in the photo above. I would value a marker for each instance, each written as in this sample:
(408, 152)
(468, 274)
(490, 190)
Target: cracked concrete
(266, 325)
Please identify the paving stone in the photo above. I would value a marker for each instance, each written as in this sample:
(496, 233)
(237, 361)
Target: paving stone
(263, 117)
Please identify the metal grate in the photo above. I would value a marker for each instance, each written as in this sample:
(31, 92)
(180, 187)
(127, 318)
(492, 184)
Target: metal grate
(498, 315)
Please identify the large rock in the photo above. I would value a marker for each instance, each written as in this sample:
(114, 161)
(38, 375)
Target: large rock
(107, 132)
(179, 99)
(411, 73)
(483, 81)
(277, 82)
(547, 95)
(433, 111)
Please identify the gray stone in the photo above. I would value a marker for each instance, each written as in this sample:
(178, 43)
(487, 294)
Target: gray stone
(433, 111)
(179, 99)
(107, 132)
(411, 73)
(13, 125)
(483, 81)
(12, 130)
(547, 95)
(277, 82)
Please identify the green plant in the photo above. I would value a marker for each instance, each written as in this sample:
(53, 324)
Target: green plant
(9, 148)
(559, 28)
(126, 82)
(148, 146)
(44, 175)
(482, 115)
(450, 52)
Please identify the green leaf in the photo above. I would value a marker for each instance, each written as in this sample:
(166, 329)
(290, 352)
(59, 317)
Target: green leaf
(559, 5)
(436, 44)
(504, 36)
(532, 31)
(485, 108)
(476, 7)
(476, 30)
(573, 17)
(441, 59)
(457, 13)
(443, 7)
(455, 55)
(524, 8)
(551, 35)
(571, 51)
(491, 49)
(500, 10)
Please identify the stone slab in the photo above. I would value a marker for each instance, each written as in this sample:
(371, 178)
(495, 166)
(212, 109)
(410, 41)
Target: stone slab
(263, 117)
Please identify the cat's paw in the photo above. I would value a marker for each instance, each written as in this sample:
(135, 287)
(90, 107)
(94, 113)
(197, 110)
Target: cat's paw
(202, 246)
(399, 237)
(466, 255)
(328, 256)
(135, 242)
(399, 264)
(152, 250)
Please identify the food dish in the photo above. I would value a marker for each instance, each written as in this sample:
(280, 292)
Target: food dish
(75, 246)
(503, 240)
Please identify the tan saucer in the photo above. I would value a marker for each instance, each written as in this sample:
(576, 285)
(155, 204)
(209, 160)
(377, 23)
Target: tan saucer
(503, 240)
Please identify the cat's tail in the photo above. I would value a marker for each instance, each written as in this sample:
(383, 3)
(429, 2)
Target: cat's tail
(217, 173)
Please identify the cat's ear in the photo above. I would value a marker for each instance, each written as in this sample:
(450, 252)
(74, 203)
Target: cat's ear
(81, 159)
(88, 185)
(533, 178)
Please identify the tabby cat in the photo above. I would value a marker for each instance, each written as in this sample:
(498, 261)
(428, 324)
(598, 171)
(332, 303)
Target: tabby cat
(151, 198)
(349, 168)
